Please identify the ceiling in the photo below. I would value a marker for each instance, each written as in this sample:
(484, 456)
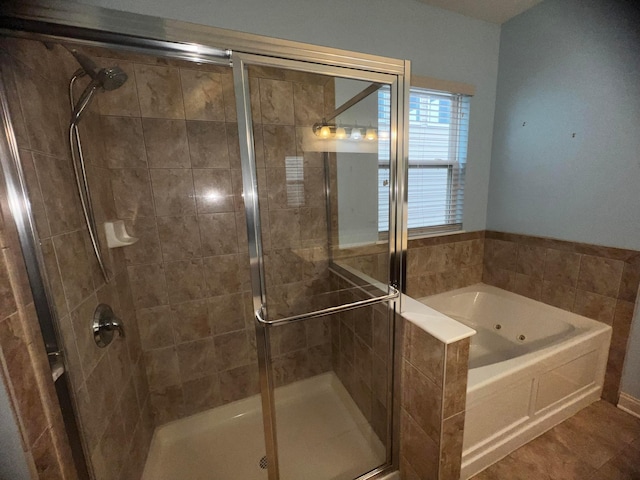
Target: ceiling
(495, 11)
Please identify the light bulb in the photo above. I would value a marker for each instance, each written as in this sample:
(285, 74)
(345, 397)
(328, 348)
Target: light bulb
(371, 134)
(356, 134)
(341, 133)
(325, 131)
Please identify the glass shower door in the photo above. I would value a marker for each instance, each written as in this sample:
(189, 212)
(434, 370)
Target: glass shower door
(315, 166)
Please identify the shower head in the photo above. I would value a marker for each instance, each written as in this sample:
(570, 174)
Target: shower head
(109, 78)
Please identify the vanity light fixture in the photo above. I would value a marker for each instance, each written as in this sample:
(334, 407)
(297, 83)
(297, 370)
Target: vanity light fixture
(344, 132)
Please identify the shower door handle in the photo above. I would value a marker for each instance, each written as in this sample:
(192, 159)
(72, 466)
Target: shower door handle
(394, 293)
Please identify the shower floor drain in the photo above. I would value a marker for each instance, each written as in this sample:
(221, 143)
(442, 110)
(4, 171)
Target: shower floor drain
(263, 463)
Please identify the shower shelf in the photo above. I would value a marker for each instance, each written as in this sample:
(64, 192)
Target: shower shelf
(117, 235)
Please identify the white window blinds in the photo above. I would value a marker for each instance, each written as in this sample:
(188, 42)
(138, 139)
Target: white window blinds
(438, 136)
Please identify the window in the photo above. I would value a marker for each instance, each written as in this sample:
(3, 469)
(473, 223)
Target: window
(438, 135)
(415, 108)
(439, 112)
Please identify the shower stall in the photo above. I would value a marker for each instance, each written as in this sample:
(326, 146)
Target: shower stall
(257, 337)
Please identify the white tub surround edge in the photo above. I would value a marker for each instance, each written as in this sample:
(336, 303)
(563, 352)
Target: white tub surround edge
(436, 324)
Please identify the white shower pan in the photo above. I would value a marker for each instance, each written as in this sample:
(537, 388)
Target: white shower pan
(321, 435)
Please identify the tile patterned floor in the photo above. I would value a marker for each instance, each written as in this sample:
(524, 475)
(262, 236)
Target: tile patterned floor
(601, 442)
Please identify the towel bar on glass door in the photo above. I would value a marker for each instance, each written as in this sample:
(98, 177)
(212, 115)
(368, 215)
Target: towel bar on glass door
(330, 310)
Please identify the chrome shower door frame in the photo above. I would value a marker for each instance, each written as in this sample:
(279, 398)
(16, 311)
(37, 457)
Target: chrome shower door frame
(397, 235)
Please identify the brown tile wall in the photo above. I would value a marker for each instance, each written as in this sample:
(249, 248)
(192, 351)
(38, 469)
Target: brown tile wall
(172, 136)
(434, 264)
(432, 406)
(294, 221)
(360, 356)
(447, 262)
(109, 384)
(24, 367)
(595, 281)
(372, 260)
(175, 175)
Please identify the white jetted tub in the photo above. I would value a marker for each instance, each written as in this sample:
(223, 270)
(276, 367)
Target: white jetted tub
(531, 366)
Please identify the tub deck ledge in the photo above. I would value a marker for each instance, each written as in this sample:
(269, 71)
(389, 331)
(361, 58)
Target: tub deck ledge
(436, 324)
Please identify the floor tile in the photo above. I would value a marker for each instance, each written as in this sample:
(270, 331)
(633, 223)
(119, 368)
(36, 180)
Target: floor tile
(589, 443)
(625, 466)
(601, 442)
(550, 459)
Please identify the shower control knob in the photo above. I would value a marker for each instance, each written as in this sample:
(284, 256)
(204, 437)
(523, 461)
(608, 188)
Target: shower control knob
(104, 324)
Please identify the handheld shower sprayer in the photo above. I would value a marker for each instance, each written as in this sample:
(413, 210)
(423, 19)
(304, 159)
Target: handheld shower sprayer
(108, 78)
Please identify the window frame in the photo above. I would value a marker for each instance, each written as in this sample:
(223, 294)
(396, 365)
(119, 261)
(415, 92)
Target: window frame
(456, 169)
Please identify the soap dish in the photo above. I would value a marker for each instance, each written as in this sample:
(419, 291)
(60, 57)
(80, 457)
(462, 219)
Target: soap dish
(117, 235)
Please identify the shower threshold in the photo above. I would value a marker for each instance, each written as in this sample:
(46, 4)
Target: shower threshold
(321, 435)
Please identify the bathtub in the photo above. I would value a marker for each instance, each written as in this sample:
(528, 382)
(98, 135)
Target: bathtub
(531, 366)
